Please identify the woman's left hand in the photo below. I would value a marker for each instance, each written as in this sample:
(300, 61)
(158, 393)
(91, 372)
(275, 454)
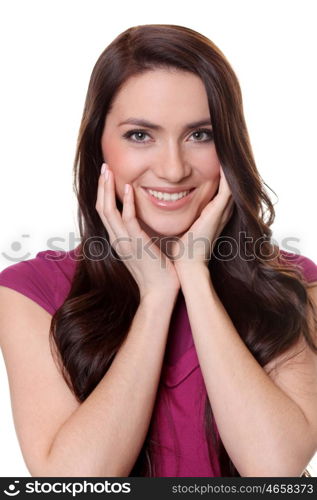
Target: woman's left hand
(196, 245)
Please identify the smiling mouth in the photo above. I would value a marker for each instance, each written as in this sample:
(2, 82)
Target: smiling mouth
(169, 201)
(169, 189)
(169, 195)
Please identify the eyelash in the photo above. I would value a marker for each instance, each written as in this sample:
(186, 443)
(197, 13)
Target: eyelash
(128, 134)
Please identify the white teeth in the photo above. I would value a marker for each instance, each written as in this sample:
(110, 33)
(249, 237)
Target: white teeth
(168, 196)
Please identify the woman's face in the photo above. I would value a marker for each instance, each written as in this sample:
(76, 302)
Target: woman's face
(171, 155)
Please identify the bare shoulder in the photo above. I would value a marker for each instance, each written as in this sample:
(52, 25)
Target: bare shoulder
(40, 398)
(13, 303)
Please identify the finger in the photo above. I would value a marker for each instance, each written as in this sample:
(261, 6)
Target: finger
(228, 211)
(123, 243)
(223, 196)
(99, 206)
(129, 215)
(120, 244)
(110, 210)
(128, 212)
(131, 222)
(224, 188)
(224, 219)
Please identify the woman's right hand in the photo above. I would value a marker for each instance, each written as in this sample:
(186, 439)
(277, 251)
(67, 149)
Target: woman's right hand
(153, 273)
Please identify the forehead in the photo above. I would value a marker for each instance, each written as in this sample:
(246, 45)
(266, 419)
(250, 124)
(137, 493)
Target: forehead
(161, 92)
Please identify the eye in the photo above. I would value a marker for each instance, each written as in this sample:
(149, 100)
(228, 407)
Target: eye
(206, 131)
(128, 135)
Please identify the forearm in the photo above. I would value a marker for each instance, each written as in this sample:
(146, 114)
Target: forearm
(103, 437)
(264, 431)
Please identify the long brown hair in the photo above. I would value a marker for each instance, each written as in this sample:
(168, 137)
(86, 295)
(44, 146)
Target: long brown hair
(266, 298)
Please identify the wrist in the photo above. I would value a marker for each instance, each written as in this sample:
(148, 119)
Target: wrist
(191, 268)
(160, 298)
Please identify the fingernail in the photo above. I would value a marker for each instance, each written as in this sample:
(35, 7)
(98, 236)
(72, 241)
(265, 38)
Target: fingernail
(126, 188)
(103, 168)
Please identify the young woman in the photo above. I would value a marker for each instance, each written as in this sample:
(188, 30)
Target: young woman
(176, 339)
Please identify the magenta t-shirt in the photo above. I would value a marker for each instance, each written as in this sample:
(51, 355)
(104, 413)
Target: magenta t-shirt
(178, 415)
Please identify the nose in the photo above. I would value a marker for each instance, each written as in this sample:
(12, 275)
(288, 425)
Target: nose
(171, 165)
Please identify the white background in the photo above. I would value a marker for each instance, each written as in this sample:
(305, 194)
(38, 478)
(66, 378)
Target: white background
(48, 52)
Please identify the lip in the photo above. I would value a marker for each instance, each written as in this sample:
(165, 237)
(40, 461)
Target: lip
(170, 205)
(169, 190)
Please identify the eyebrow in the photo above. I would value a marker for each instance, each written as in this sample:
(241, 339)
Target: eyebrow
(144, 123)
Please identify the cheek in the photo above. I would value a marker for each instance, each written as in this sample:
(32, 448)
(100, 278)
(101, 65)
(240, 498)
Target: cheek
(211, 176)
(211, 170)
(112, 153)
(120, 163)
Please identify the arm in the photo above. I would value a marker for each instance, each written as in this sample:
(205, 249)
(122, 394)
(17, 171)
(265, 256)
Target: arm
(265, 431)
(103, 437)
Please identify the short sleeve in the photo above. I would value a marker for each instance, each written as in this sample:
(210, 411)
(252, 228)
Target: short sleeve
(35, 278)
(306, 266)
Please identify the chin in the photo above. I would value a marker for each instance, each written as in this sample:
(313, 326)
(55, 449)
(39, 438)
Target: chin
(164, 230)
